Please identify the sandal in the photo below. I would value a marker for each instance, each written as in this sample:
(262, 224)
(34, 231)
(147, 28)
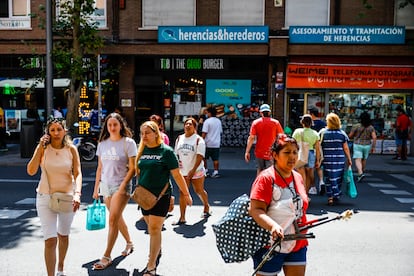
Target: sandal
(102, 265)
(61, 273)
(179, 222)
(330, 201)
(150, 272)
(128, 249)
(157, 262)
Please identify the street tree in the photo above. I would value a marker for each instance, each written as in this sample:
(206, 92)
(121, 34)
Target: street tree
(76, 44)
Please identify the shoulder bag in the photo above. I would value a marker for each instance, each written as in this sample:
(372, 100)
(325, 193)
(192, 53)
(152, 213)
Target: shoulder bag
(303, 152)
(144, 198)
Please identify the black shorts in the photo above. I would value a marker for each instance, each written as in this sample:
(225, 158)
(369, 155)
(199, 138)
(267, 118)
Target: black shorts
(160, 209)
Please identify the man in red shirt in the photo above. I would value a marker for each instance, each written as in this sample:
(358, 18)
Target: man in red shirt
(265, 131)
(403, 128)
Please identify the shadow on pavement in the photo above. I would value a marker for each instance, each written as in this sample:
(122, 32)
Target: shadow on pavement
(192, 231)
(110, 270)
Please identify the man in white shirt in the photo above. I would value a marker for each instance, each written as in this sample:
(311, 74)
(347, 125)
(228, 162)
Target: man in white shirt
(211, 133)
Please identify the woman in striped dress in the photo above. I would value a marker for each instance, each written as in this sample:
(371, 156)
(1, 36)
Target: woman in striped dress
(336, 153)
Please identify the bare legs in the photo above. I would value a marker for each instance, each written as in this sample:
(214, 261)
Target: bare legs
(62, 242)
(116, 205)
(154, 229)
(198, 186)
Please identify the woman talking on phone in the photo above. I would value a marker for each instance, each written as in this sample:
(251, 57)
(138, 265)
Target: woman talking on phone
(59, 161)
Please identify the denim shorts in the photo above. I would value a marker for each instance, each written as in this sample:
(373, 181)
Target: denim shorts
(106, 190)
(311, 159)
(275, 264)
(262, 164)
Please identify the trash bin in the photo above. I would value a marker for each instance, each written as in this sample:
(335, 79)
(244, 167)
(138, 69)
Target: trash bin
(29, 136)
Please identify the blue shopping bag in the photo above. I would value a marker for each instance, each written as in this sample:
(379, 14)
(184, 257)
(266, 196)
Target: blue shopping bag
(351, 189)
(95, 216)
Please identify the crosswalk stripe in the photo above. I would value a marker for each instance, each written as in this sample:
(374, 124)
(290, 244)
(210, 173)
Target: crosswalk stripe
(395, 192)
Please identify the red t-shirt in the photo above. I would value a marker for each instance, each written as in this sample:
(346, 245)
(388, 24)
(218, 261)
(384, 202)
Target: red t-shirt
(403, 122)
(262, 190)
(265, 129)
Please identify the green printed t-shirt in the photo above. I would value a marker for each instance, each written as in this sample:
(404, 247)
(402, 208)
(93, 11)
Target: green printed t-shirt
(155, 165)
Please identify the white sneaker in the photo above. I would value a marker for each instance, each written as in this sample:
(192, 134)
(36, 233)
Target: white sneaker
(313, 191)
(215, 175)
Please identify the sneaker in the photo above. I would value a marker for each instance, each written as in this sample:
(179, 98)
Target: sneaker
(312, 191)
(215, 175)
(360, 177)
(322, 189)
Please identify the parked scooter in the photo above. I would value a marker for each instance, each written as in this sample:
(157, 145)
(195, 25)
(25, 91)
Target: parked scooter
(87, 144)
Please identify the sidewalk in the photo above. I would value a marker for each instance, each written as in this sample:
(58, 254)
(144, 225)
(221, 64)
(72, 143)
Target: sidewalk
(233, 159)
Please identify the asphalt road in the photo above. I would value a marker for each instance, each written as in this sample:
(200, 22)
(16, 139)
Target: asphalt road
(376, 241)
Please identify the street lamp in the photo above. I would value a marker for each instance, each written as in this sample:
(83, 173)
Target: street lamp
(49, 66)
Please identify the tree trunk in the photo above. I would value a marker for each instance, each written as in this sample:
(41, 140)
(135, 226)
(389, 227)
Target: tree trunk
(72, 115)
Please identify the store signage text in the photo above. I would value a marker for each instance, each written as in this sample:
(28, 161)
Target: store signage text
(15, 23)
(213, 34)
(336, 76)
(192, 64)
(347, 34)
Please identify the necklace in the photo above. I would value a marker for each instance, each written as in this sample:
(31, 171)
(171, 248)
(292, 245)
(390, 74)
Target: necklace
(56, 151)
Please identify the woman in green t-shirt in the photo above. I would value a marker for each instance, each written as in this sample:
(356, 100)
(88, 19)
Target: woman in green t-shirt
(155, 163)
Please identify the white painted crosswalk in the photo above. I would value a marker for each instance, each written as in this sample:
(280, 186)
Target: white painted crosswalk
(396, 188)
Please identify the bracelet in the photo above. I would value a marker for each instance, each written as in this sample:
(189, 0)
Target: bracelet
(76, 192)
(187, 195)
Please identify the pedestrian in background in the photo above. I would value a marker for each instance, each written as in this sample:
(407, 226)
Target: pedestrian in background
(211, 134)
(278, 203)
(61, 172)
(336, 155)
(156, 161)
(3, 144)
(160, 123)
(264, 131)
(310, 136)
(190, 149)
(365, 139)
(403, 128)
(318, 124)
(116, 166)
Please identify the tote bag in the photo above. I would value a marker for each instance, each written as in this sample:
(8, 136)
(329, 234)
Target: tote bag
(351, 189)
(95, 216)
(303, 152)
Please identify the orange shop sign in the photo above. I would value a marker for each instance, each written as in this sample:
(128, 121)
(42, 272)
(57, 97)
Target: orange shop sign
(301, 75)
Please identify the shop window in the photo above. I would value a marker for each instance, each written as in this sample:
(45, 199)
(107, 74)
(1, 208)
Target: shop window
(14, 14)
(307, 13)
(168, 13)
(404, 15)
(98, 16)
(380, 107)
(242, 12)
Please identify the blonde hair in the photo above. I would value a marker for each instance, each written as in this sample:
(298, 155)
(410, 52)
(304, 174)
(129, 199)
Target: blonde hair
(333, 121)
(154, 127)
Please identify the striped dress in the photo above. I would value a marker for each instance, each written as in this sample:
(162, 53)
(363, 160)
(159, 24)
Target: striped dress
(334, 160)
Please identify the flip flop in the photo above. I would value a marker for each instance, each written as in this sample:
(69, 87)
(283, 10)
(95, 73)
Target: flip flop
(101, 265)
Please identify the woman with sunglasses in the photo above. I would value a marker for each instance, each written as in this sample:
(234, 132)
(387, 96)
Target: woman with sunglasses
(278, 204)
(156, 161)
(59, 161)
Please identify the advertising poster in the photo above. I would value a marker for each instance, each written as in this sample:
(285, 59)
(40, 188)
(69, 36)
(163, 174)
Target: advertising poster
(229, 96)
(13, 120)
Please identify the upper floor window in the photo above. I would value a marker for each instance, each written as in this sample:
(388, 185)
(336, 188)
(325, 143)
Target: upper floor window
(404, 16)
(14, 14)
(307, 13)
(98, 16)
(242, 12)
(168, 13)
